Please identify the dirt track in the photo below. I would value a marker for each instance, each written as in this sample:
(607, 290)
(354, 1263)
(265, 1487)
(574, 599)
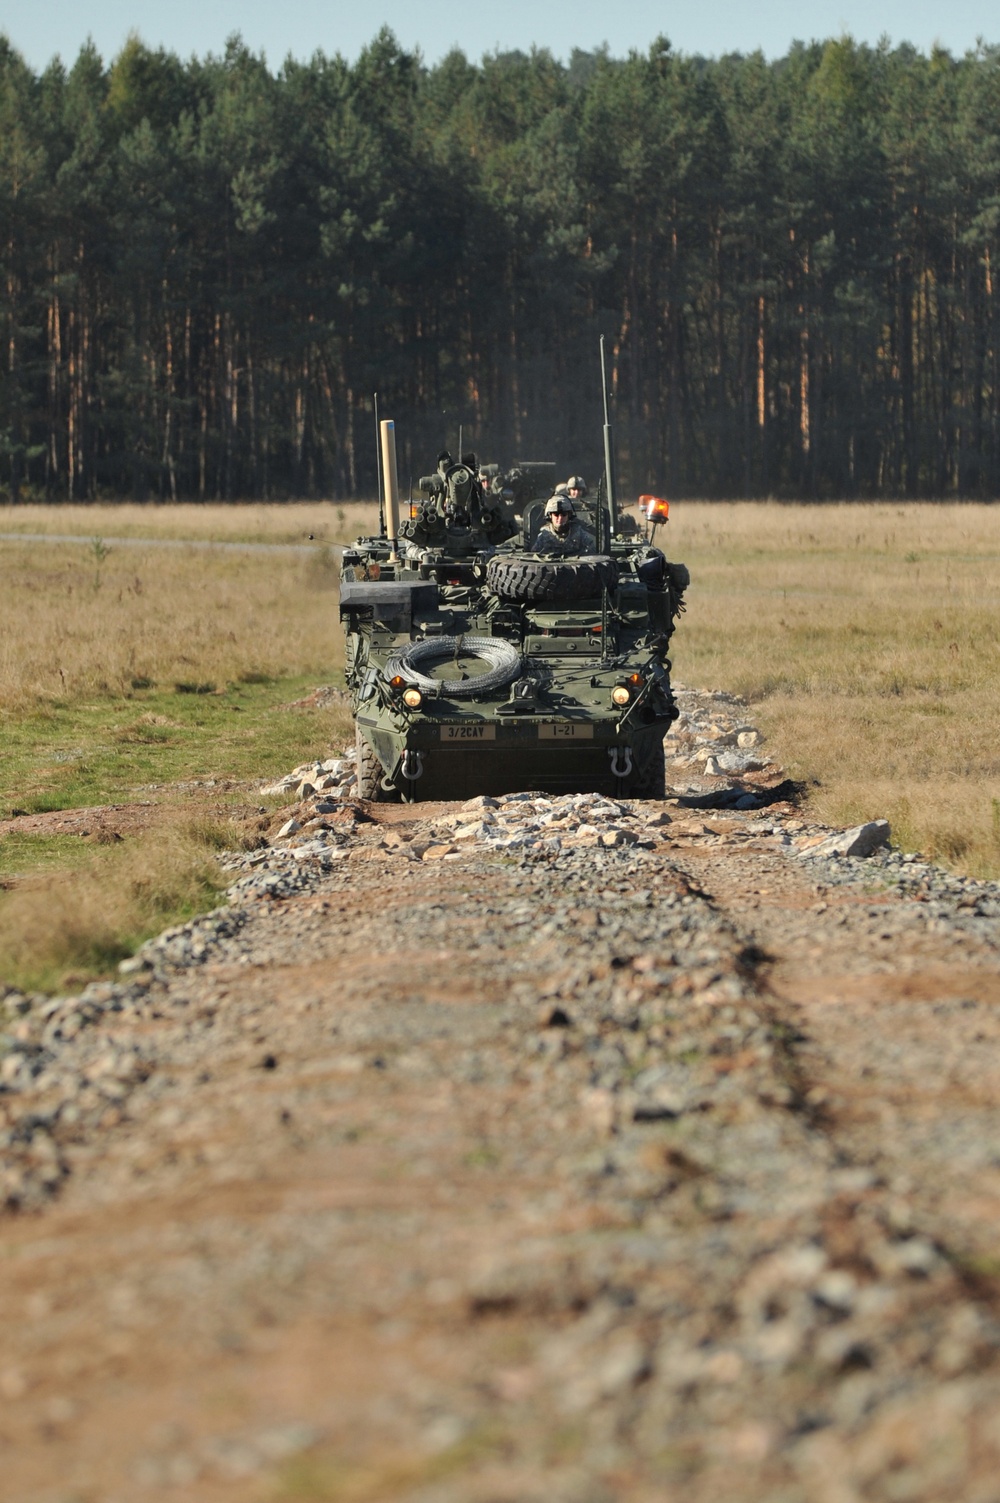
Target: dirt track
(664, 1172)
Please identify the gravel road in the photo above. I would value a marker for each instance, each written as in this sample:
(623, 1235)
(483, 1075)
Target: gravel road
(547, 1149)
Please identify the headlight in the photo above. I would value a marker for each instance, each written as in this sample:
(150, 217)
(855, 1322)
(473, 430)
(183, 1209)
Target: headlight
(620, 695)
(412, 699)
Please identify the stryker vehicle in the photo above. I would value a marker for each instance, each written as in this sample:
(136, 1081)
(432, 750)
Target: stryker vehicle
(474, 670)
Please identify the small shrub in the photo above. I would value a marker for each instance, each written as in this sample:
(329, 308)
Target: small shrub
(148, 730)
(217, 834)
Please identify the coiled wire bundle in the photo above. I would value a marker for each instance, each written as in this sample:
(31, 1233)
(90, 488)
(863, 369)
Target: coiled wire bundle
(503, 659)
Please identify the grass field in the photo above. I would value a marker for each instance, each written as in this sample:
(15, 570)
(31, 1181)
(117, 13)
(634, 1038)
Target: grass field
(136, 674)
(865, 637)
(291, 522)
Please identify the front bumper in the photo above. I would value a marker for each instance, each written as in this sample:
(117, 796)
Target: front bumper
(460, 758)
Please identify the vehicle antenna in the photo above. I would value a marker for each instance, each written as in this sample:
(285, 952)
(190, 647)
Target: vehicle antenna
(378, 471)
(460, 443)
(609, 451)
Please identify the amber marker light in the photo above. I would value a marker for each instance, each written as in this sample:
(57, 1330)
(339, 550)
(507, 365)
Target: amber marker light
(636, 680)
(397, 682)
(655, 508)
(412, 699)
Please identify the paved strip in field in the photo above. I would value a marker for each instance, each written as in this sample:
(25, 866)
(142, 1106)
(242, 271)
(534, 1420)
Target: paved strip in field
(88, 541)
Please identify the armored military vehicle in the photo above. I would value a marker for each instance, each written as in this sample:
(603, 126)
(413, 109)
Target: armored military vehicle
(476, 666)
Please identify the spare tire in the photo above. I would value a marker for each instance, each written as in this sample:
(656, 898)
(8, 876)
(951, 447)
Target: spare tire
(502, 663)
(528, 578)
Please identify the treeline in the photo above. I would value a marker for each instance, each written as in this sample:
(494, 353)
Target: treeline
(207, 268)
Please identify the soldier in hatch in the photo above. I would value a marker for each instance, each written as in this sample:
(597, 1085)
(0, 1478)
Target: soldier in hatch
(562, 534)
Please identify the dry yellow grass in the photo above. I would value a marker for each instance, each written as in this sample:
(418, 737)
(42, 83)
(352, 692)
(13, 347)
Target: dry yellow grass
(125, 666)
(290, 522)
(866, 638)
(75, 622)
(59, 929)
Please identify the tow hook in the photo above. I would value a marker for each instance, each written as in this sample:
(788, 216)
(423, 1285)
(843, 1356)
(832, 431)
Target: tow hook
(615, 752)
(413, 765)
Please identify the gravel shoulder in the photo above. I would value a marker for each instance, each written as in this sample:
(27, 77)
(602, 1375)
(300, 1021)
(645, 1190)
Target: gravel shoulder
(542, 1149)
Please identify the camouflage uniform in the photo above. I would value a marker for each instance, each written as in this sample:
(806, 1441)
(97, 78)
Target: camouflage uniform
(576, 539)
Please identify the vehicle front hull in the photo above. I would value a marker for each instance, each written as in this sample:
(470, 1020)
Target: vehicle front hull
(514, 755)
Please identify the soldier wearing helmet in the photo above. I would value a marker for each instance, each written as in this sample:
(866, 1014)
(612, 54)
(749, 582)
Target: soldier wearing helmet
(575, 487)
(562, 532)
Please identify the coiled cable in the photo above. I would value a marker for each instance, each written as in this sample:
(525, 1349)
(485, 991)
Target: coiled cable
(503, 658)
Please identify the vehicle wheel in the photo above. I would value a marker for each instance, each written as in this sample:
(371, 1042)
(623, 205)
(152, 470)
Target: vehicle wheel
(649, 776)
(534, 580)
(370, 771)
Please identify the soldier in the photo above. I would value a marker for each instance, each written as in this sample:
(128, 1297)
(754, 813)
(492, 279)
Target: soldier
(562, 533)
(575, 488)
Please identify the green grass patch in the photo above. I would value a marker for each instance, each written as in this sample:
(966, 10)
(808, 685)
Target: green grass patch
(165, 677)
(316, 1477)
(30, 852)
(72, 909)
(68, 756)
(483, 1156)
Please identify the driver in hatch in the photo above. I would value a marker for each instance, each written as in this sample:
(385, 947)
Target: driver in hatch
(562, 534)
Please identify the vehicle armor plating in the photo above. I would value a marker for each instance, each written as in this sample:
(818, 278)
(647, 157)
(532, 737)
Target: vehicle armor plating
(480, 668)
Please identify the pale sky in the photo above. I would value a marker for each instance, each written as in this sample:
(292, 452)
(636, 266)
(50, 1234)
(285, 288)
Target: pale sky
(41, 29)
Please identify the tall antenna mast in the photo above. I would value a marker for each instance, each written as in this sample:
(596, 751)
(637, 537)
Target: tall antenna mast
(609, 451)
(378, 471)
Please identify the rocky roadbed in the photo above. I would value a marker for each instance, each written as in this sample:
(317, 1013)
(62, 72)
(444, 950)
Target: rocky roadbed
(533, 1148)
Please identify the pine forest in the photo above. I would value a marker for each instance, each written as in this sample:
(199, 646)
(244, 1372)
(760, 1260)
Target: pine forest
(208, 268)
